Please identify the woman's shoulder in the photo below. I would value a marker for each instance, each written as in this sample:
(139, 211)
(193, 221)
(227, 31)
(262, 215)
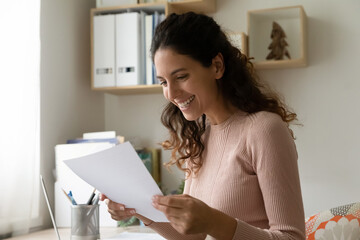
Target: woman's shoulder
(261, 119)
(265, 122)
(251, 119)
(264, 117)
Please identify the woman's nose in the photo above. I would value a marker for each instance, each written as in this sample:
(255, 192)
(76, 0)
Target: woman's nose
(173, 92)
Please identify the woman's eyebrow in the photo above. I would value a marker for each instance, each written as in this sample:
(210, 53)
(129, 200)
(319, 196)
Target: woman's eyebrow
(173, 72)
(177, 70)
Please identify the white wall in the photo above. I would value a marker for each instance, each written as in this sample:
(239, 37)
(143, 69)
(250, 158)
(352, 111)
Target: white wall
(324, 95)
(68, 106)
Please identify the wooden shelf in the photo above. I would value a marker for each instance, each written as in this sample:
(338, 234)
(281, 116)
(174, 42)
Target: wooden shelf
(132, 90)
(200, 6)
(285, 63)
(293, 21)
(239, 40)
(147, 7)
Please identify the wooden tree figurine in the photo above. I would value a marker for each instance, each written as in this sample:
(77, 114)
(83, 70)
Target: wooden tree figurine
(278, 44)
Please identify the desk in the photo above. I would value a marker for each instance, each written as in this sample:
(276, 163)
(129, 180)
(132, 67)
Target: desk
(105, 232)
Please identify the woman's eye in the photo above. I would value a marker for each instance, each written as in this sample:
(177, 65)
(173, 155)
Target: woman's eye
(163, 83)
(181, 77)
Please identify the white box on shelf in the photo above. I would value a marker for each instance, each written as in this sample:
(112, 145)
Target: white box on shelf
(112, 3)
(260, 23)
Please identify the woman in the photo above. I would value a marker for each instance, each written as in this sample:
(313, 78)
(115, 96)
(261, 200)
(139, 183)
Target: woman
(229, 134)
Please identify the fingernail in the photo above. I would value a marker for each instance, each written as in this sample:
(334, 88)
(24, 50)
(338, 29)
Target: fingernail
(132, 211)
(122, 208)
(106, 201)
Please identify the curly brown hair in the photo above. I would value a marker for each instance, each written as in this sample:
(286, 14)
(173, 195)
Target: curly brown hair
(201, 38)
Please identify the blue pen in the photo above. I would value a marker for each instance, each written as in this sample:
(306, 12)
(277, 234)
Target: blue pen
(72, 198)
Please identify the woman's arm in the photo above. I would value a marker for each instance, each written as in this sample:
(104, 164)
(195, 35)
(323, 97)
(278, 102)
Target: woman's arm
(274, 160)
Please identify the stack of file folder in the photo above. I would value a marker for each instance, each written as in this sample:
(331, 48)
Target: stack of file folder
(69, 181)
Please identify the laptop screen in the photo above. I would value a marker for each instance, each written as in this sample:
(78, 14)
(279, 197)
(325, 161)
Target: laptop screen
(49, 206)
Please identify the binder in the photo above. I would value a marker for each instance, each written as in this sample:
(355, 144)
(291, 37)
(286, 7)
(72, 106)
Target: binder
(142, 79)
(155, 23)
(157, 18)
(127, 31)
(104, 51)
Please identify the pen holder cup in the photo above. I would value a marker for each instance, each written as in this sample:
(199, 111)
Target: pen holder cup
(85, 222)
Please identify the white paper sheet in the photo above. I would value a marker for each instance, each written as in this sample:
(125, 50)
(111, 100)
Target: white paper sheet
(119, 173)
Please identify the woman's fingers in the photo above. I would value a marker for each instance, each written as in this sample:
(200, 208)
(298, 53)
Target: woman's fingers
(168, 210)
(102, 197)
(185, 213)
(118, 210)
(175, 201)
(113, 205)
(119, 215)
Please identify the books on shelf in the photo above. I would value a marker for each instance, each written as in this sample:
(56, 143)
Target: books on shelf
(157, 18)
(148, 38)
(95, 135)
(81, 140)
(108, 136)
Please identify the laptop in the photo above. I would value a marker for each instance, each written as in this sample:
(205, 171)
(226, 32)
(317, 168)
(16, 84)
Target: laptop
(49, 207)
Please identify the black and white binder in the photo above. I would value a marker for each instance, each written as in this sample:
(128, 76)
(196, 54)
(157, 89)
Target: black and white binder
(128, 49)
(104, 51)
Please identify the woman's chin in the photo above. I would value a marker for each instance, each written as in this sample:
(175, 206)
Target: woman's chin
(191, 117)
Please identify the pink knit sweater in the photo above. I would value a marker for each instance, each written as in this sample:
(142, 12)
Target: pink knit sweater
(250, 172)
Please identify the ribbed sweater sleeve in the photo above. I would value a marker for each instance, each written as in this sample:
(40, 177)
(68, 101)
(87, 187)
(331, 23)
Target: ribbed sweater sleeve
(274, 160)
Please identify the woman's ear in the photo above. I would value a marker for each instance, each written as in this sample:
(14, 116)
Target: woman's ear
(218, 64)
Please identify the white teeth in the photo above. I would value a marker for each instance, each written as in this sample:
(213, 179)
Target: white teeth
(187, 102)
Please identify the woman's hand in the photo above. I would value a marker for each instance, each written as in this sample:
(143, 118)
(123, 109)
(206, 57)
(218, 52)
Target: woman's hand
(189, 215)
(119, 212)
(186, 214)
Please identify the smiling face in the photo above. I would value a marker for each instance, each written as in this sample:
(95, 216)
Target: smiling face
(189, 85)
